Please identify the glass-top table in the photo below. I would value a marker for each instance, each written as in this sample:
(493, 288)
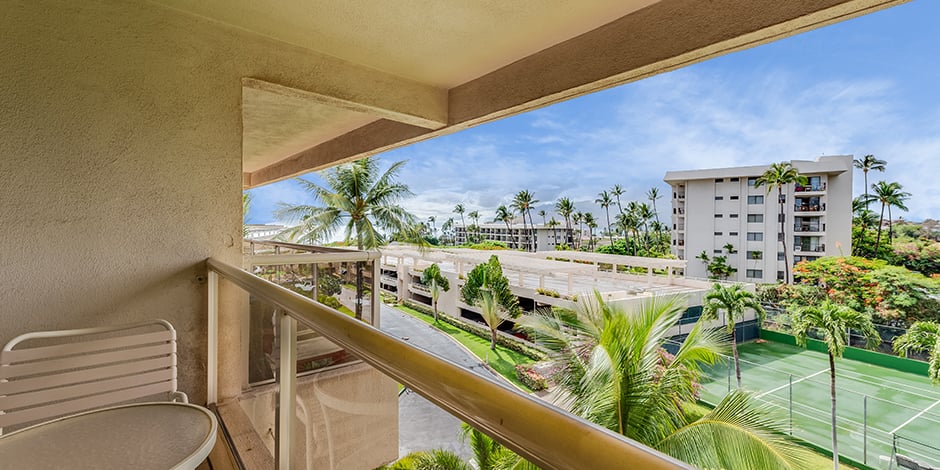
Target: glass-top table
(162, 435)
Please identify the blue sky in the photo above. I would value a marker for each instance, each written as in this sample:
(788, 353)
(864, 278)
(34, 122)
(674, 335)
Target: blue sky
(866, 86)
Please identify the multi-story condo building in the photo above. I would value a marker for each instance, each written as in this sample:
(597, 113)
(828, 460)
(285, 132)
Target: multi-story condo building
(539, 238)
(717, 207)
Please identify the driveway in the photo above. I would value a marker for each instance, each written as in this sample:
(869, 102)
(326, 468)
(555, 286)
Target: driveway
(421, 424)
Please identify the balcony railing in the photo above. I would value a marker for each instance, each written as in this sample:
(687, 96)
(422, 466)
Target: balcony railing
(539, 432)
(815, 187)
(810, 207)
(812, 249)
(810, 228)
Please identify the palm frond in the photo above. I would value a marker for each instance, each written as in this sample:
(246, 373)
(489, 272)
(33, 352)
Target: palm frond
(736, 434)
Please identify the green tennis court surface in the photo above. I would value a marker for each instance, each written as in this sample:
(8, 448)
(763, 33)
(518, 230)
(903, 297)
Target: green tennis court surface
(874, 403)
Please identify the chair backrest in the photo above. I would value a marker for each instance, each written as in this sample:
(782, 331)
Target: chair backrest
(85, 369)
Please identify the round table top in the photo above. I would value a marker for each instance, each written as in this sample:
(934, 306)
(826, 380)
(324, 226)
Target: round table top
(141, 436)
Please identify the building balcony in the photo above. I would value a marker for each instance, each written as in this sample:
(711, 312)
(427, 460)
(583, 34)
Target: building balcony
(821, 187)
(810, 249)
(294, 333)
(809, 228)
(809, 208)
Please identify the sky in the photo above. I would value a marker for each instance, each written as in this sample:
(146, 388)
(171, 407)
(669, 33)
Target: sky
(870, 85)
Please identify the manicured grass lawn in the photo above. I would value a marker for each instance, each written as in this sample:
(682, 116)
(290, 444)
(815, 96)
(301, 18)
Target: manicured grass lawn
(502, 360)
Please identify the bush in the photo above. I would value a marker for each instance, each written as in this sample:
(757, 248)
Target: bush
(530, 377)
(548, 292)
(329, 301)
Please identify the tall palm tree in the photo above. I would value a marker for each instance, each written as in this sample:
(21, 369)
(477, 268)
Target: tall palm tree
(603, 198)
(645, 214)
(565, 208)
(459, 209)
(922, 336)
(432, 220)
(436, 282)
(447, 227)
(359, 199)
(554, 225)
(833, 321)
(504, 215)
(888, 194)
(542, 214)
(589, 220)
(475, 217)
(616, 192)
(866, 163)
(616, 374)
(523, 202)
(778, 176)
(578, 218)
(653, 195)
(734, 301)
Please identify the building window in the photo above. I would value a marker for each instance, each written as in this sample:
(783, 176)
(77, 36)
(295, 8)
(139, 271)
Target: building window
(755, 218)
(718, 216)
(755, 199)
(754, 273)
(735, 198)
(717, 252)
(719, 198)
(735, 180)
(718, 234)
(732, 234)
(755, 255)
(719, 180)
(733, 216)
(755, 236)
(781, 256)
(780, 275)
(751, 181)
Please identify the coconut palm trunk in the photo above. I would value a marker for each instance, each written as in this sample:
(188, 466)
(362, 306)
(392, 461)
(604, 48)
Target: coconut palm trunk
(832, 394)
(783, 231)
(734, 352)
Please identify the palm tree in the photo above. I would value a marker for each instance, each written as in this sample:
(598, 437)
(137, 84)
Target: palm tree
(653, 195)
(565, 208)
(432, 220)
(578, 218)
(869, 162)
(359, 199)
(487, 288)
(616, 374)
(436, 282)
(617, 191)
(542, 214)
(488, 454)
(734, 300)
(504, 215)
(604, 200)
(645, 215)
(447, 227)
(459, 209)
(592, 224)
(475, 217)
(922, 336)
(554, 225)
(834, 321)
(523, 202)
(780, 175)
(888, 194)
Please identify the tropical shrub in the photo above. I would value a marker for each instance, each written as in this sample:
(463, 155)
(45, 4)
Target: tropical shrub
(531, 378)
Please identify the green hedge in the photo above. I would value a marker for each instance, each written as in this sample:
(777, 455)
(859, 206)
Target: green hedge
(480, 331)
(857, 354)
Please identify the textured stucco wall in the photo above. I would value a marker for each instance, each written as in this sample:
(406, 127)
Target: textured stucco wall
(120, 159)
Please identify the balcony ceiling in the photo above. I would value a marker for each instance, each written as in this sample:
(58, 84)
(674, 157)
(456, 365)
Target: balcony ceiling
(382, 77)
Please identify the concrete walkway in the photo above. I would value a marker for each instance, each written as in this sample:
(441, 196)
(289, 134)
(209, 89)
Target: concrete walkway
(422, 425)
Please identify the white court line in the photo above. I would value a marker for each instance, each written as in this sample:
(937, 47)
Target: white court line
(918, 415)
(796, 381)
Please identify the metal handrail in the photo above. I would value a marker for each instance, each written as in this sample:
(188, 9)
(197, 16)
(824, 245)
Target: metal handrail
(530, 427)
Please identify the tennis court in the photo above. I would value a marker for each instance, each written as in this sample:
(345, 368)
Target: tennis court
(878, 408)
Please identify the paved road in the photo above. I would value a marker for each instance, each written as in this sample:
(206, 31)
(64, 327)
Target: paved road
(422, 425)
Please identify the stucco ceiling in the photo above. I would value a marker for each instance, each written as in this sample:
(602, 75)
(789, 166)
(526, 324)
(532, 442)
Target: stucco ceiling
(442, 43)
(369, 75)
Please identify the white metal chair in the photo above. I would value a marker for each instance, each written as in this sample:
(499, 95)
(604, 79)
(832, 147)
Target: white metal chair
(85, 369)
